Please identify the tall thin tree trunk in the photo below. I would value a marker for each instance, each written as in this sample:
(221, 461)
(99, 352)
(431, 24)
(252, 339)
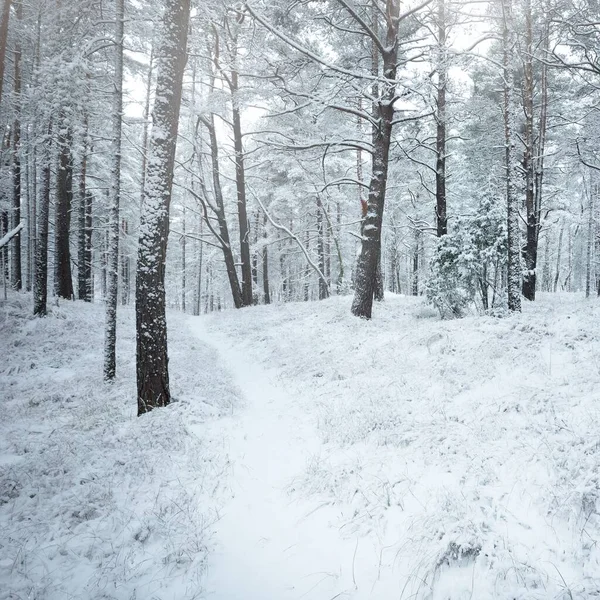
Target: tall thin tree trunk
(40, 282)
(82, 283)
(240, 181)
(440, 167)
(514, 245)
(3, 39)
(219, 209)
(558, 257)
(112, 272)
(265, 266)
(62, 227)
(183, 260)
(146, 129)
(531, 246)
(16, 271)
(590, 243)
(151, 325)
(366, 268)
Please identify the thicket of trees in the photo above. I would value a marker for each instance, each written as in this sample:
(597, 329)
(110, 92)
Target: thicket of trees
(440, 147)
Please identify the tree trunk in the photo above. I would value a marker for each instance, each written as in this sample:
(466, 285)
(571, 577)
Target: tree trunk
(531, 246)
(240, 181)
(514, 246)
(368, 260)
(112, 273)
(590, 244)
(440, 167)
(125, 264)
(16, 272)
(323, 290)
(82, 283)
(151, 325)
(40, 282)
(64, 201)
(3, 39)
(558, 257)
(265, 266)
(219, 209)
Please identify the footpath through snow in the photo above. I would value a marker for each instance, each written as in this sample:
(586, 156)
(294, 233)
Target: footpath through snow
(407, 457)
(271, 545)
(307, 455)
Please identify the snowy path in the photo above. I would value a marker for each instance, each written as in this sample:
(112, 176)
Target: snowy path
(270, 546)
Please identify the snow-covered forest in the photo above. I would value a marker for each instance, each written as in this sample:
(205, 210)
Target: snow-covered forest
(341, 258)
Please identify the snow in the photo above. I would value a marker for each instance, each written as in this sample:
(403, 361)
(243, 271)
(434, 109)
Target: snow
(452, 459)
(94, 502)
(309, 455)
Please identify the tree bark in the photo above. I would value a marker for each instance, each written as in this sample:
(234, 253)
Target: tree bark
(531, 245)
(16, 271)
(62, 227)
(83, 287)
(240, 182)
(219, 210)
(440, 167)
(40, 282)
(3, 39)
(514, 246)
(151, 325)
(265, 266)
(368, 260)
(112, 267)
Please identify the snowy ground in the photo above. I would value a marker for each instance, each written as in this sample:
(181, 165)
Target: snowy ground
(310, 455)
(94, 502)
(452, 460)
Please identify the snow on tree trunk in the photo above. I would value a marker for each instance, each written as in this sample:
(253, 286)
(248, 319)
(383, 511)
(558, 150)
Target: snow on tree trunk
(83, 287)
(531, 246)
(368, 260)
(64, 200)
(440, 167)
(40, 282)
(3, 39)
(112, 266)
(151, 326)
(16, 271)
(240, 180)
(512, 167)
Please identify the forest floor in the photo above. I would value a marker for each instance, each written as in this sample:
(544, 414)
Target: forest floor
(308, 455)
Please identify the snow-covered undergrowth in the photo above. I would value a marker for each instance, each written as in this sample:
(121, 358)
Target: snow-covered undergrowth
(462, 456)
(94, 502)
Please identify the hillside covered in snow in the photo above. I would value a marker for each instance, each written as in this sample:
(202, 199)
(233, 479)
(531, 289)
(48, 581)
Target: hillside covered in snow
(308, 455)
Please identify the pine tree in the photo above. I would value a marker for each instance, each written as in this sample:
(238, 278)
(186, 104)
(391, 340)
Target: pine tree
(151, 325)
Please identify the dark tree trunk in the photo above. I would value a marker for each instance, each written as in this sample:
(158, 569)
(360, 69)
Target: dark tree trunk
(89, 292)
(3, 39)
(126, 266)
(415, 262)
(307, 271)
(114, 225)
(265, 267)
(514, 284)
(151, 324)
(323, 290)
(531, 245)
(219, 210)
(368, 260)
(240, 181)
(62, 227)
(440, 167)
(17, 272)
(82, 283)
(40, 282)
